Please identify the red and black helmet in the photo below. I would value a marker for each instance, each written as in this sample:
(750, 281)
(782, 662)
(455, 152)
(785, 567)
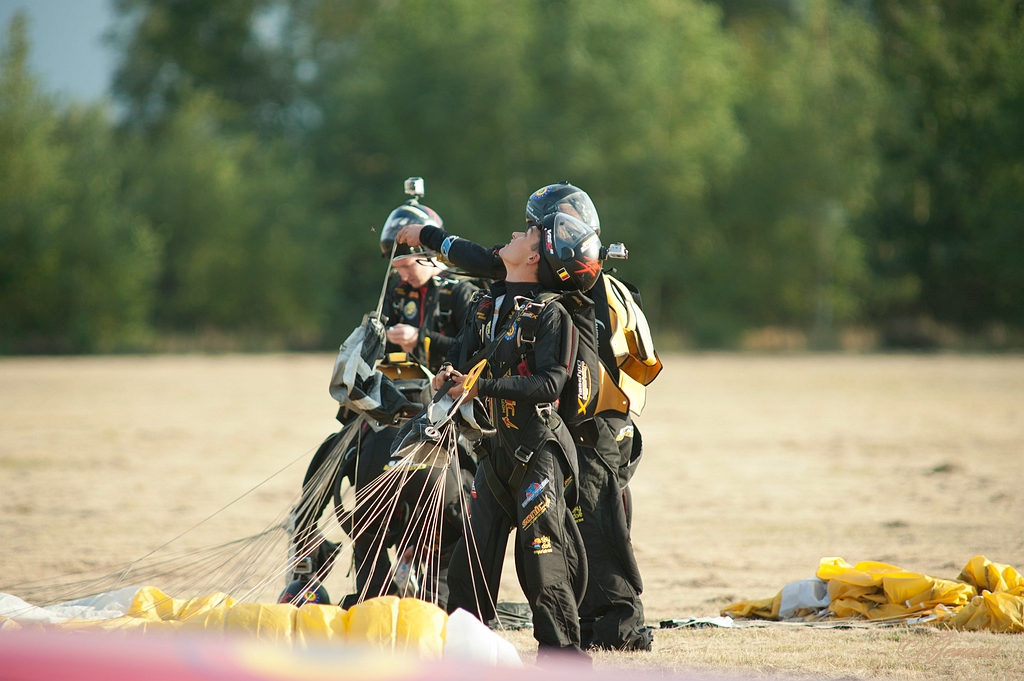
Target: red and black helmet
(562, 198)
(409, 213)
(570, 254)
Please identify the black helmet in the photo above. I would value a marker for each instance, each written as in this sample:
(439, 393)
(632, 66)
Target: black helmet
(410, 213)
(570, 254)
(565, 198)
(301, 591)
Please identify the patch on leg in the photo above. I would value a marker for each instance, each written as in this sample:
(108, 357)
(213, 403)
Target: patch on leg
(541, 544)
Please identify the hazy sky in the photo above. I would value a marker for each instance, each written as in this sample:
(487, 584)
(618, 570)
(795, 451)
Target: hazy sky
(67, 51)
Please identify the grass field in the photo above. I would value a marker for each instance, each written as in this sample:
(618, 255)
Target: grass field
(755, 468)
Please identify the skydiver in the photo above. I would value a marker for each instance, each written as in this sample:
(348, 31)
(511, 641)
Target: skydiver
(611, 615)
(521, 483)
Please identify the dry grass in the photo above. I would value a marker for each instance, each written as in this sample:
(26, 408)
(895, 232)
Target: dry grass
(755, 468)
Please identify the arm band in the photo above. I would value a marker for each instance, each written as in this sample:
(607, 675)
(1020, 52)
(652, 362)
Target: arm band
(446, 245)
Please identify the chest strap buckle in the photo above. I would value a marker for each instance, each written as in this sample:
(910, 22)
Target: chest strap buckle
(523, 455)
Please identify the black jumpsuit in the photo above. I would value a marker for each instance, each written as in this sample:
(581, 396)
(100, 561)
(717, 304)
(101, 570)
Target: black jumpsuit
(611, 614)
(437, 309)
(527, 496)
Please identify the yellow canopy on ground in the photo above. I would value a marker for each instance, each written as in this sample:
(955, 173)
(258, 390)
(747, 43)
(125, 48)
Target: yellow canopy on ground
(389, 623)
(985, 595)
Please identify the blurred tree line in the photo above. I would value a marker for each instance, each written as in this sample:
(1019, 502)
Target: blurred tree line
(809, 165)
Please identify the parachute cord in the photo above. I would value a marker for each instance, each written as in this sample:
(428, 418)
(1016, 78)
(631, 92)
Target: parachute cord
(422, 522)
(223, 508)
(243, 568)
(387, 523)
(471, 548)
(314, 497)
(370, 504)
(387, 275)
(120, 573)
(257, 551)
(376, 505)
(435, 532)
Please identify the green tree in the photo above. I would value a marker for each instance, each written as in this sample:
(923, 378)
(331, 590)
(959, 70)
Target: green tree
(75, 266)
(789, 253)
(242, 240)
(490, 100)
(948, 230)
(235, 49)
(640, 104)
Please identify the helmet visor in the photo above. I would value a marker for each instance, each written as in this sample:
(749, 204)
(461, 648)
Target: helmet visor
(571, 254)
(399, 218)
(580, 206)
(407, 215)
(568, 233)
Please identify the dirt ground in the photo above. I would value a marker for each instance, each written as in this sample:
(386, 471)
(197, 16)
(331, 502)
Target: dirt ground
(755, 468)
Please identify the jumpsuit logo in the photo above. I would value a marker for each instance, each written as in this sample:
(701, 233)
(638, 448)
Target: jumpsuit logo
(537, 511)
(583, 380)
(508, 409)
(534, 490)
(541, 544)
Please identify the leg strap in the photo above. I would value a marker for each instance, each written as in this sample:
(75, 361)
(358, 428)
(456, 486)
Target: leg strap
(505, 491)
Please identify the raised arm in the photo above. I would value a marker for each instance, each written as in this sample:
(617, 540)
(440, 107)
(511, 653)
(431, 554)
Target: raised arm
(475, 259)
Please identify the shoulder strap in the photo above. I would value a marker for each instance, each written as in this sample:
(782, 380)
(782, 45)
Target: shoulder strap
(445, 289)
(397, 295)
(526, 334)
(530, 313)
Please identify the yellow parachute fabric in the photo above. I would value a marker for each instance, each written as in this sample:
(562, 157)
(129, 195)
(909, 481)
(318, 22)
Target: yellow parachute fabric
(986, 595)
(1000, 605)
(633, 346)
(864, 573)
(995, 577)
(153, 604)
(761, 608)
(388, 623)
(1001, 612)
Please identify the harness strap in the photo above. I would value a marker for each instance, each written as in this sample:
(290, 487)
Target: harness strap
(444, 298)
(523, 455)
(504, 492)
(526, 335)
(399, 293)
(531, 313)
(497, 488)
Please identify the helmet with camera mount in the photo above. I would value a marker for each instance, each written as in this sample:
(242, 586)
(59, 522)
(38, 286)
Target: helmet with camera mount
(410, 213)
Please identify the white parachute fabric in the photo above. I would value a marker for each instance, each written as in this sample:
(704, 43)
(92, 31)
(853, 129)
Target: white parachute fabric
(102, 606)
(470, 640)
(14, 609)
(356, 384)
(806, 594)
(472, 421)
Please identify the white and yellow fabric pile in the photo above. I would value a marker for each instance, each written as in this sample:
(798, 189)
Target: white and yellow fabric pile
(985, 596)
(388, 624)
